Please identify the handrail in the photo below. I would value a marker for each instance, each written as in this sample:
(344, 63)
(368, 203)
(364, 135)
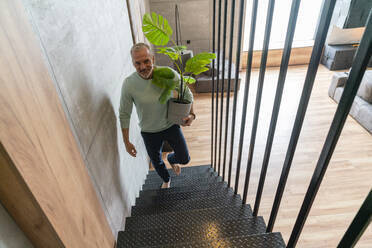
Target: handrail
(278, 96)
(358, 68)
(321, 35)
(359, 224)
(364, 216)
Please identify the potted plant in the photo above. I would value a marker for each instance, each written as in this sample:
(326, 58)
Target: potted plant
(159, 33)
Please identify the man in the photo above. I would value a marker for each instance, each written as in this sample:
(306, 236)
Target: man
(152, 115)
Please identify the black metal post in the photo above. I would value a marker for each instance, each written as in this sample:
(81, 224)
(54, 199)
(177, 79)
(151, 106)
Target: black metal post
(261, 78)
(359, 66)
(222, 84)
(359, 224)
(238, 49)
(278, 96)
(232, 14)
(213, 82)
(246, 91)
(218, 76)
(326, 15)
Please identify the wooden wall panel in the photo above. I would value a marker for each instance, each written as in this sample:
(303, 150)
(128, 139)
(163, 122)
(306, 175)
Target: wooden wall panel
(19, 202)
(36, 135)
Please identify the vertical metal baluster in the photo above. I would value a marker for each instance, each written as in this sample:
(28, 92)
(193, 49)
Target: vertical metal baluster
(238, 50)
(213, 82)
(278, 96)
(222, 85)
(360, 223)
(320, 38)
(246, 90)
(218, 76)
(261, 78)
(228, 84)
(358, 68)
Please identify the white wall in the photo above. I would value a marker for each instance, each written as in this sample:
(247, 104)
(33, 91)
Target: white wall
(10, 234)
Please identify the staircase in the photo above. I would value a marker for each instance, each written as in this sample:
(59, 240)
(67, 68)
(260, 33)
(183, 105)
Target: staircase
(199, 210)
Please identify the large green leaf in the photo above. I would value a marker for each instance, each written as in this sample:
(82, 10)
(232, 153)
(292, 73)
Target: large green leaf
(205, 56)
(164, 78)
(156, 29)
(199, 62)
(189, 80)
(172, 54)
(179, 48)
(165, 96)
(163, 72)
(196, 66)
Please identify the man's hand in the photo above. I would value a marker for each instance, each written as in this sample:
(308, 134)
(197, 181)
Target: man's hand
(131, 149)
(188, 120)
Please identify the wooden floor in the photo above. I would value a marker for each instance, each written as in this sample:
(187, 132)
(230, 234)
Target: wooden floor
(349, 176)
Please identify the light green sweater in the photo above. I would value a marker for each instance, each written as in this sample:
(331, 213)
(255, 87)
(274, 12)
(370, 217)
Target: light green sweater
(144, 94)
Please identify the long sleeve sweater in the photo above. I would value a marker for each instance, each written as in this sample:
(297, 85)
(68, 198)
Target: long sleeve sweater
(145, 95)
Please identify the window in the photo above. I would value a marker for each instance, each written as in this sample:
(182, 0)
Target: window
(305, 29)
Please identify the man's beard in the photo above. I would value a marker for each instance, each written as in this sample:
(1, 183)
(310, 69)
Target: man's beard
(146, 73)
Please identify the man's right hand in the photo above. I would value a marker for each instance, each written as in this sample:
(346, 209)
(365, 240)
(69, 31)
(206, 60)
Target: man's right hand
(131, 149)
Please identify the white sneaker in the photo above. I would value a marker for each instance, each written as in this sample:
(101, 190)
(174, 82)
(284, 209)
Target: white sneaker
(166, 185)
(176, 168)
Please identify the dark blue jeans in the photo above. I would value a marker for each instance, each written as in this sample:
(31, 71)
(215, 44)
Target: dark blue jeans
(154, 145)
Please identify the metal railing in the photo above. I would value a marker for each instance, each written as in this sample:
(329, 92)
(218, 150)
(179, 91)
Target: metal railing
(359, 66)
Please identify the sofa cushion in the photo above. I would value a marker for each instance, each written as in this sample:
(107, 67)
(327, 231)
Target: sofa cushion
(338, 79)
(364, 116)
(361, 110)
(365, 88)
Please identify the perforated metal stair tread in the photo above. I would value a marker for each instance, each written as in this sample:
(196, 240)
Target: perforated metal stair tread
(266, 240)
(187, 217)
(188, 188)
(226, 200)
(186, 170)
(181, 177)
(186, 182)
(208, 231)
(168, 198)
(225, 195)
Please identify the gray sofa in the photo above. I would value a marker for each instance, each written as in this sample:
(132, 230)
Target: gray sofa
(361, 109)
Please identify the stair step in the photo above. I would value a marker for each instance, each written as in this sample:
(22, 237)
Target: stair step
(190, 188)
(186, 182)
(206, 231)
(187, 218)
(228, 199)
(266, 240)
(185, 169)
(166, 199)
(181, 177)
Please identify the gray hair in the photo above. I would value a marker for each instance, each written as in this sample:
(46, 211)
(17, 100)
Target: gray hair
(139, 46)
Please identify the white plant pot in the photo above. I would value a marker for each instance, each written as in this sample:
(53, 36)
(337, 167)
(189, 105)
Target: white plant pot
(177, 111)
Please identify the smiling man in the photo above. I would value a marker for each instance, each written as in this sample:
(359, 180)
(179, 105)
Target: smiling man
(155, 128)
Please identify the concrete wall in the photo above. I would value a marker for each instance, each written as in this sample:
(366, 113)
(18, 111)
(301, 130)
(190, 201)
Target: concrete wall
(10, 234)
(196, 18)
(86, 46)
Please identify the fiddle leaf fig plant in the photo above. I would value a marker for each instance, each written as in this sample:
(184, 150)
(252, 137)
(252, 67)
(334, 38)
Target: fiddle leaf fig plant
(158, 32)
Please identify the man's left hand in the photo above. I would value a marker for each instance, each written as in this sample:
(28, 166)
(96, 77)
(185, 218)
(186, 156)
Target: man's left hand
(188, 120)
